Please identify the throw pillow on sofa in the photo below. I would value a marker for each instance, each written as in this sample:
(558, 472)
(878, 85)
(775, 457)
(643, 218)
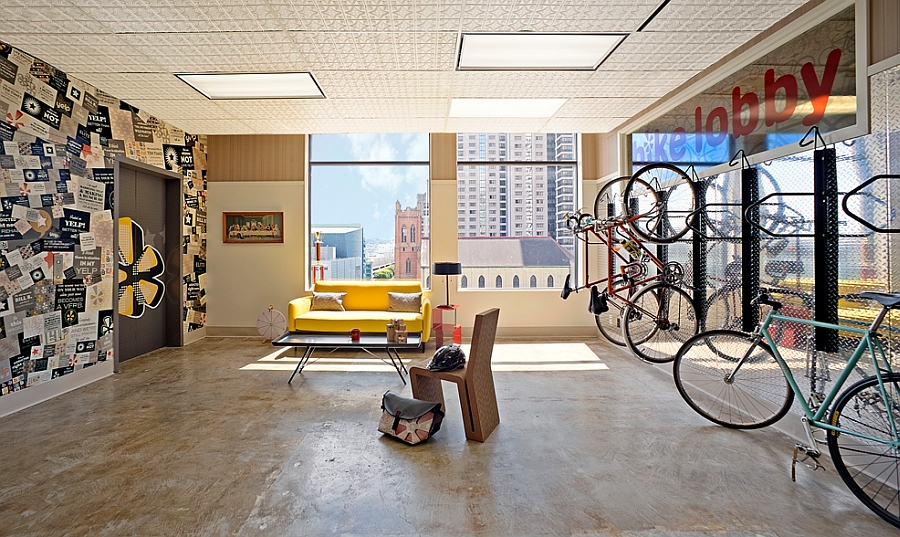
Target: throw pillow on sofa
(328, 302)
(408, 302)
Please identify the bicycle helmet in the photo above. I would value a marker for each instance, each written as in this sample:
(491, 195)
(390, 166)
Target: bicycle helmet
(447, 358)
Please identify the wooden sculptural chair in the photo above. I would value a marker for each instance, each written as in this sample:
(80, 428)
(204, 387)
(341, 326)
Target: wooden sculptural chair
(475, 381)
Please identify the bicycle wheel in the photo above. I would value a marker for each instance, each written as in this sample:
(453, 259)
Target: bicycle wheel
(608, 202)
(658, 320)
(610, 325)
(722, 194)
(610, 199)
(723, 309)
(665, 195)
(759, 394)
(870, 468)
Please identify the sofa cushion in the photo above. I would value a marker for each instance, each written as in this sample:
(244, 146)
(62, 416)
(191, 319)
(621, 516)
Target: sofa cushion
(344, 321)
(369, 295)
(327, 302)
(411, 302)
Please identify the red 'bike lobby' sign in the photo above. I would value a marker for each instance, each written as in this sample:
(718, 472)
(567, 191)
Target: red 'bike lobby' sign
(810, 80)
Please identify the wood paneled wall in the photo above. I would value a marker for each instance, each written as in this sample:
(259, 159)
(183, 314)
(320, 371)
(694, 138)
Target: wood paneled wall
(443, 156)
(600, 155)
(884, 30)
(262, 157)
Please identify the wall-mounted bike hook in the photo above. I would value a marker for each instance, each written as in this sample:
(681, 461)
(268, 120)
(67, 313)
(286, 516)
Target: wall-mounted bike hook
(739, 158)
(817, 137)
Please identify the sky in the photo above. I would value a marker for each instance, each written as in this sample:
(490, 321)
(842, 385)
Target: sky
(366, 195)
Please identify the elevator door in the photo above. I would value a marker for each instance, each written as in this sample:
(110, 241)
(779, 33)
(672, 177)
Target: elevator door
(142, 215)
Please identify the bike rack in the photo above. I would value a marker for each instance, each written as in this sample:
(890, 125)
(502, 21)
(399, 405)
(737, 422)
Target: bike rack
(860, 219)
(755, 222)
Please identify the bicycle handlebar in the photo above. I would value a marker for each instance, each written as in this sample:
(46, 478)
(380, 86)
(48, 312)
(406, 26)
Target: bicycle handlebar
(764, 298)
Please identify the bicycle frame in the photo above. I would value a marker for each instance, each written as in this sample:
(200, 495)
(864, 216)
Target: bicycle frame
(868, 342)
(618, 226)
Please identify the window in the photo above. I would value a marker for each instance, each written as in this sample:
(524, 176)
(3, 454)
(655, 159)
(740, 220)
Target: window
(481, 282)
(519, 239)
(550, 281)
(533, 281)
(379, 182)
(499, 282)
(515, 281)
(464, 282)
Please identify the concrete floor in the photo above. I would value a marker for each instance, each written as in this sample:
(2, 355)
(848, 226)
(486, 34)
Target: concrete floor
(185, 442)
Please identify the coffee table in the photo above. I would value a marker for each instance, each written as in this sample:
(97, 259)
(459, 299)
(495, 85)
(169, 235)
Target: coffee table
(334, 340)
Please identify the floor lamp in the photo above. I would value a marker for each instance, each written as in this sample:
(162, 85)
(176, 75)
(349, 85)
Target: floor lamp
(447, 269)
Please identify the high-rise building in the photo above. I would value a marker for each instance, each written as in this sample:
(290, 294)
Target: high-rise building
(563, 185)
(342, 252)
(527, 200)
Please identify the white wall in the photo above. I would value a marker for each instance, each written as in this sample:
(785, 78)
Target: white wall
(244, 279)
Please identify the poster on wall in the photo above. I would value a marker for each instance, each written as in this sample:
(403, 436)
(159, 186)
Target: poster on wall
(58, 145)
(771, 103)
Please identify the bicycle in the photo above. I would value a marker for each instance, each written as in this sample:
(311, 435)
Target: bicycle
(743, 381)
(655, 316)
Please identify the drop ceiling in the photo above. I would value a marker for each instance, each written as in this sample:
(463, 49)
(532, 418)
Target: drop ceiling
(385, 66)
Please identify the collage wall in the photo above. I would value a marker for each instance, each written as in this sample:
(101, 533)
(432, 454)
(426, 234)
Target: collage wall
(59, 138)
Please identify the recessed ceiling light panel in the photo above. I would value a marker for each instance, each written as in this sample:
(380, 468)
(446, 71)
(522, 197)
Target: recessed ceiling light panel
(523, 51)
(255, 85)
(518, 108)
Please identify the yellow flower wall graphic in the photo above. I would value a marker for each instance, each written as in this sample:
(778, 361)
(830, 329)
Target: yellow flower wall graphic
(140, 268)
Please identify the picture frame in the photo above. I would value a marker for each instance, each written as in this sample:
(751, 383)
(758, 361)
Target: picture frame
(253, 227)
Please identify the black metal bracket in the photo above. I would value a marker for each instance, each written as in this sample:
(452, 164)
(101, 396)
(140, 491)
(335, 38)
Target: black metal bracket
(689, 220)
(766, 231)
(817, 137)
(860, 219)
(742, 160)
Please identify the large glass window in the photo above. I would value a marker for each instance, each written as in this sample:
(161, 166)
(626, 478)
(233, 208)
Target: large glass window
(513, 192)
(369, 205)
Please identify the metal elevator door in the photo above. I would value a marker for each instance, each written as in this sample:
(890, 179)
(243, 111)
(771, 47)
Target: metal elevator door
(142, 198)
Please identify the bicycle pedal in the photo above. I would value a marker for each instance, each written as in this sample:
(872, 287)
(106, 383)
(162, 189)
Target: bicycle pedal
(808, 453)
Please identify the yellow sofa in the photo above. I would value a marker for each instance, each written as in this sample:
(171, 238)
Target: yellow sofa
(366, 305)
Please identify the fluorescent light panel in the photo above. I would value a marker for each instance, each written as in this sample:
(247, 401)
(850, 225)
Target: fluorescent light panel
(535, 51)
(255, 85)
(522, 108)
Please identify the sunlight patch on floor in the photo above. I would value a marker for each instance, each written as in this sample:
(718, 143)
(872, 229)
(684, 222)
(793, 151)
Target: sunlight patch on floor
(507, 357)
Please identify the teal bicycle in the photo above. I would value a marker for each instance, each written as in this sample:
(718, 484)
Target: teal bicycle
(744, 381)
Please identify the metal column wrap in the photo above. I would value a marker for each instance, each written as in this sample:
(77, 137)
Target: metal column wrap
(750, 249)
(699, 254)
(825, 191)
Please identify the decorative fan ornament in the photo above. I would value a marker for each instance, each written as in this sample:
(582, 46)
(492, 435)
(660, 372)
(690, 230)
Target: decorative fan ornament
(271, 324)
(140, 267)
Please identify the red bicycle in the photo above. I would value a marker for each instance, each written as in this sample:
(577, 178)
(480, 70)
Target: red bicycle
(643, 305)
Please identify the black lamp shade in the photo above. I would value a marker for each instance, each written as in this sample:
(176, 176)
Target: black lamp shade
(447, 269)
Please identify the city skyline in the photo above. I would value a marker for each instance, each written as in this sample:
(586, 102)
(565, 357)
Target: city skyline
(366, 193)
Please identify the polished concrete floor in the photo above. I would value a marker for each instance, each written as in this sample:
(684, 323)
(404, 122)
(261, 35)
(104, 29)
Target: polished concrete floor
(210, 440)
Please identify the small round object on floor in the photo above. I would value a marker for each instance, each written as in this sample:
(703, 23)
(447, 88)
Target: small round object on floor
(271, 324)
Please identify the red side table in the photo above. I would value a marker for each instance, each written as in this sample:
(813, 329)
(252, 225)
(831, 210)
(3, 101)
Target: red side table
(443, 328)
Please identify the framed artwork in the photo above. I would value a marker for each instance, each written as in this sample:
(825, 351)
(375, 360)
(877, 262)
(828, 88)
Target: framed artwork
(252, 228)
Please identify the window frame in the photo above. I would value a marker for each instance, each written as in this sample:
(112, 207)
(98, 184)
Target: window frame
(425, 277)
(466, 172)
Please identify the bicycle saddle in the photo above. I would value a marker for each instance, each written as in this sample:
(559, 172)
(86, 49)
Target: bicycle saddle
(888, 300)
